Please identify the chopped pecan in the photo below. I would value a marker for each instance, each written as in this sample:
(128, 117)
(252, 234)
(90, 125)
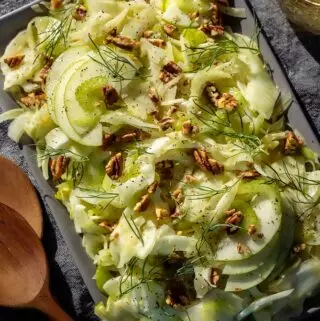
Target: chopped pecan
(215, 276)
(110, 95)
(34, 100)
(153, 187)
(234, 218)
(223, 101)
(250, 174)
(206, 163)
(158, 42)
(44, 72)
(211, 29)
(153, 95)
(110, 227)
(299, 248)
(169, 29)
(148, 34)
(14, 61)
(123, 42)
(189, 129)
(227, 102)
(212, 92)
(166, 122)
(58, 166)
(170, 71)
(178, 195)
(108, 140)
(293, 143)
(252, 229)
(143, 204)
(162, 213)
(114, 166)
(56, 4)
(165, 168)
(80, 13)
(243, 249)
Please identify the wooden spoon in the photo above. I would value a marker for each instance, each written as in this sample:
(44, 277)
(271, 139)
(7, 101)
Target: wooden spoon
(17, 192)
(23, 267)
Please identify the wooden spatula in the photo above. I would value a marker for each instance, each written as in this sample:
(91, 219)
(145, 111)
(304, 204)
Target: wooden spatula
(23, 267)
(17, 192)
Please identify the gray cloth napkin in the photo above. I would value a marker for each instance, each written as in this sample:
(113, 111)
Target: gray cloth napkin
(299, 53)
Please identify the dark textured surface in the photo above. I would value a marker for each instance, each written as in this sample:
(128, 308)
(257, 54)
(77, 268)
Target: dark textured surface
(299, 53)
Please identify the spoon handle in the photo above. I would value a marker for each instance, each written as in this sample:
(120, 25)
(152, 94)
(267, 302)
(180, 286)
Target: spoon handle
(47, 304)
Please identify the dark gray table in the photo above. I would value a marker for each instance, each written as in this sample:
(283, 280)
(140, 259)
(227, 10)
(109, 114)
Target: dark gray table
(299, 53)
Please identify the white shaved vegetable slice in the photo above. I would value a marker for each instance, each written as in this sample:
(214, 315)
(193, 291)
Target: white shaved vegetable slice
(60, 65)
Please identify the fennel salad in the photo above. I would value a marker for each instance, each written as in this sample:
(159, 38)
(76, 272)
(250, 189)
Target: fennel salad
(167, 141)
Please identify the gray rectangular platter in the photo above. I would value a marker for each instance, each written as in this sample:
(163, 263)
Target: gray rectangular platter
(13, 22)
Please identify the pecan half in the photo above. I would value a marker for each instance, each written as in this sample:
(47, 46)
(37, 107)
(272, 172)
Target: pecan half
(243, 249)
(234, 218)
(110, 95)
(222, 101)
(108, 140)
(215, 276)
(178, 195)
(206, 163)
(169, 29)
(170, 71)
(143, 204)
(56, 4)
(58, 166)
(293, 143)
(189, 129)
(14, 61)
(153, 95)
(110, 227)
(80, 13)
(166, 123)
(123, 42)
(114, 166)
(34, 100)
(158, 43)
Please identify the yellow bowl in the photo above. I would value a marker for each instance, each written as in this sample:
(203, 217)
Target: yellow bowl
(304, 13)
